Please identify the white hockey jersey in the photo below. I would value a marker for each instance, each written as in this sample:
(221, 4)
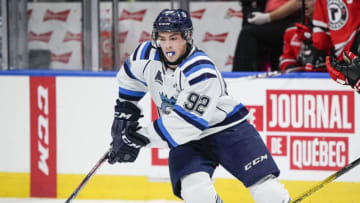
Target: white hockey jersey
(192, 101)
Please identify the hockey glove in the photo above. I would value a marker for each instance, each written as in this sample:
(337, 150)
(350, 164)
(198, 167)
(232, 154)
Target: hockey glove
(346, 72)
(259, 18)
(303, 32)
(126, 147)
(312, 58)
(125, 114)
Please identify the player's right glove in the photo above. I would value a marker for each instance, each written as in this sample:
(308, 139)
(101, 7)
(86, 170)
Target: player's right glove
(346, 72)
(125, 123)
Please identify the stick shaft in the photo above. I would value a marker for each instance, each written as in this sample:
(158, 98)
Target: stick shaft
(87, 178)
(327, 180)
(273, 73)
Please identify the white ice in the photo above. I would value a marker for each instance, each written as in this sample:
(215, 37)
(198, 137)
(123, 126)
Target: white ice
(44, 200)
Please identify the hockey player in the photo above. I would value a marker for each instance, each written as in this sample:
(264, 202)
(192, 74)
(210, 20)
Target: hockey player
(298, 50)
(336, 26)
(201, 124)
(346, 72)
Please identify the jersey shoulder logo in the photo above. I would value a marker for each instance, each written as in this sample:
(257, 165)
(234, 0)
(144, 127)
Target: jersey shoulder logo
(158, 78)
(338, 14)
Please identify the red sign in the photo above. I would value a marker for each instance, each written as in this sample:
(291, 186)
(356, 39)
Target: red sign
(198, 14)
(122, 36)
(124, 57)
(218, 38)
(277, 145)
(257, 117)
(62, 58)
(43, 37)
(60, 16)
(318, 153)
(229, 61)
(137, 16)
(69, 36)
(43, 137)
(145, 36)
(29, 12)
(232, 13)
(310, 111)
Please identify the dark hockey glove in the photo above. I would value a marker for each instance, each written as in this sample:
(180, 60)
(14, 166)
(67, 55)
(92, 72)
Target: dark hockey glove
(125, 114)
(346, 72)
(126, 147)
(312, 58)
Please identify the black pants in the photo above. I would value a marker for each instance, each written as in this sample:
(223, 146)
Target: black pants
(258, 43)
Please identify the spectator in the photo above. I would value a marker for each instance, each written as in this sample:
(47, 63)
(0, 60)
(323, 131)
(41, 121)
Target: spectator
(264, 31)
(298, 50)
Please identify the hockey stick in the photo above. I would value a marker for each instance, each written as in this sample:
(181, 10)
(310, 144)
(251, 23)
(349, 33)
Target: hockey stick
(88, 176)
(327, 180)
(273, 73)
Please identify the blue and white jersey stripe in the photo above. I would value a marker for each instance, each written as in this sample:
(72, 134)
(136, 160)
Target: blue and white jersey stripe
(191, 118)
(130, 95)
(145, 51)
(127, 69)
(163, 133)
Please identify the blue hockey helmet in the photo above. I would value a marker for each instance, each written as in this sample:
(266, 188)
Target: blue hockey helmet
(173, 20)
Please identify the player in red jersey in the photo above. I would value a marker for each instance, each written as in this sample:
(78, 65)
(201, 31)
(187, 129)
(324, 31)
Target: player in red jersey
(336, 26)
(298, 49)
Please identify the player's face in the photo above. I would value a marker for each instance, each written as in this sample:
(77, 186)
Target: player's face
(309, 8)
(172, 45)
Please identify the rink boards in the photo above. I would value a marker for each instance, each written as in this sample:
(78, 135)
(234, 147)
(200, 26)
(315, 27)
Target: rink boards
(56, 125)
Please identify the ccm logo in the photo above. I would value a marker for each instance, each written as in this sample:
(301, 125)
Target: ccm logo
(43, 128)
(122, 115)
(255, 162)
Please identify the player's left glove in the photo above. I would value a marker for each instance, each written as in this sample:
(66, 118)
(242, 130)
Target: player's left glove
(346, 72)
(125, 118)
(128, 144)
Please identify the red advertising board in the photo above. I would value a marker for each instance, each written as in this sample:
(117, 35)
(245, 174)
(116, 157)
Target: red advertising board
(310, 111)
(43, 137)
(318, 153)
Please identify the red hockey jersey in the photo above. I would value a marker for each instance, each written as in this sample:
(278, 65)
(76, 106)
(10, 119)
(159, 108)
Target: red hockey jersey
(294, 38)
(291, 49)
(336, 23)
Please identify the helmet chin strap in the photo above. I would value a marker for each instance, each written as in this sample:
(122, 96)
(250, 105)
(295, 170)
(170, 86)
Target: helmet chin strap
(180, 59)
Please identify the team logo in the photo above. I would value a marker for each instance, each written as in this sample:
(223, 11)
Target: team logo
(167, 103)
(338, 14)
